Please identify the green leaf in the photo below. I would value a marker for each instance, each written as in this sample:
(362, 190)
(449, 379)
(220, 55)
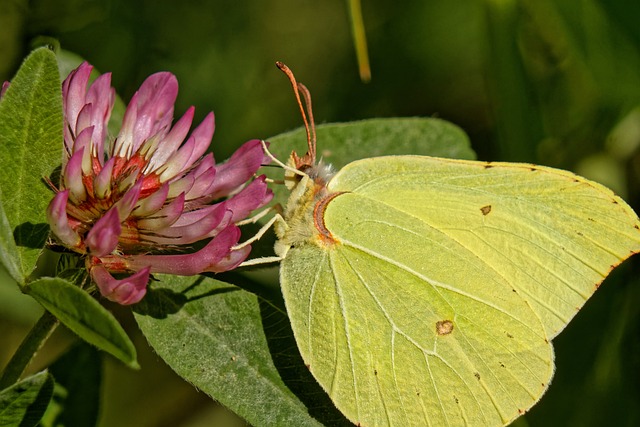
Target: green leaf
(78, 311)
(8, 248)
(342, 143)
(30, 149)
(24, 403)
(211, 334)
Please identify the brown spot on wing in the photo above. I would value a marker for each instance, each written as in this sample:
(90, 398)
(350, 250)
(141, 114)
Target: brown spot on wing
(444, 327)
(485, 210)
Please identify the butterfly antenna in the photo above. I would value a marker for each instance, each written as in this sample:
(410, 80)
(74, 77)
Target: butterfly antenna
(311, 130)
(310, 157)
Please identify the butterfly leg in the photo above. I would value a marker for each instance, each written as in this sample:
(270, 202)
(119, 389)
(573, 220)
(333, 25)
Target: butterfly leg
(259, 215)
(277, 218)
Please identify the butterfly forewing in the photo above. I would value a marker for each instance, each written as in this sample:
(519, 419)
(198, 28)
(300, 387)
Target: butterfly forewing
(550, 234)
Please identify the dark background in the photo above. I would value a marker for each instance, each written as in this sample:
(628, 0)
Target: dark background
(555, 82)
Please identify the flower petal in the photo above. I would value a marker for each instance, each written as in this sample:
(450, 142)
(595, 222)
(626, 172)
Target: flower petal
(165, 216)
(152, 203)
(201, 182)
(73, 177)
(183, 185)
(128, 202)
(213, 256)
(123, 144)
(231, 261)
(129, 290)
(151, 110)
(253, 196)
(59, 222)
(202, 136)
(102, 182)
(220, 261)
(178, 162)
(215, 220)
(102, 96)
(242, 165)
(74, 89)
(83, 142)
(171, 141)
(102, 239)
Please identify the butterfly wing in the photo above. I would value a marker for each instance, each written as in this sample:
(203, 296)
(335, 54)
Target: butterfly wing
(368, 328)
(437, 304)
(552, 235)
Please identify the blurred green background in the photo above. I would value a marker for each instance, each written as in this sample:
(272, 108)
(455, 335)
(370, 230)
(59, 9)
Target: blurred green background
(555, 82)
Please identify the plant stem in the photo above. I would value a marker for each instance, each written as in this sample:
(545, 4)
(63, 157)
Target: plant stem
(34, 340)
(360, 40)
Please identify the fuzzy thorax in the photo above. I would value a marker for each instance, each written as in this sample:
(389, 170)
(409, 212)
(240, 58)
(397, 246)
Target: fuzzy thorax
(303, 223)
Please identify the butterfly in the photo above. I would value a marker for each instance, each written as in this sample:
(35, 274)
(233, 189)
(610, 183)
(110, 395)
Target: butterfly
(426, 291)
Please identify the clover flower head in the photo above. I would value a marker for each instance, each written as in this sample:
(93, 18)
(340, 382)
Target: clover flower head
(136, 204)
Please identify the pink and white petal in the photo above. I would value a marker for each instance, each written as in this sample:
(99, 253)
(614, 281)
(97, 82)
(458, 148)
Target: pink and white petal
(123, 144)
(221, 261)
(128, 202)
(204, 165)
(133, 175)
(84, 120)
(74, 89)
(83, 141)
(202, 136)
(129, 290)
(73, 177)
(191, 233)
(69, 141)
(253, 196)
(157, 96)
(102, 96)
(231, 261)
(147, 148)
(178, 162)
(201, 183)
(165, 217)
(197, 214)
(59, 222)
(169, 145)
(182, 185)
(152, 203)
(242, 165)
(102, 239)
(205, 259)
(102, 182)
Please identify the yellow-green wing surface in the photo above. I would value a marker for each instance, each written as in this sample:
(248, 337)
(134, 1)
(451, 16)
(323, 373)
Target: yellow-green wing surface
(448, 279)
(552, 235)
